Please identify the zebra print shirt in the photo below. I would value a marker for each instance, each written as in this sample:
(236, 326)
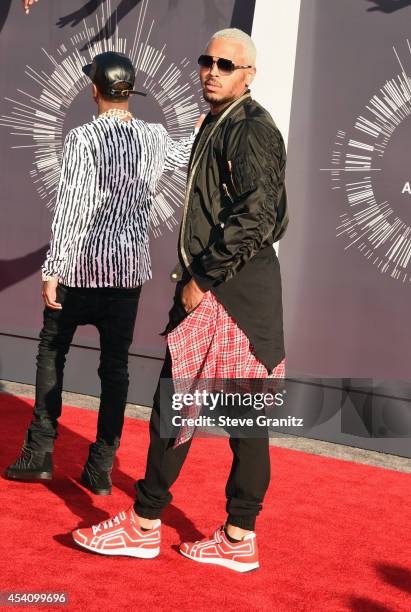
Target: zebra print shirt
(109, 173)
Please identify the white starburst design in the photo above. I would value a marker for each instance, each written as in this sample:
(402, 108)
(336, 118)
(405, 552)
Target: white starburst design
(40, 116)
(371, 226)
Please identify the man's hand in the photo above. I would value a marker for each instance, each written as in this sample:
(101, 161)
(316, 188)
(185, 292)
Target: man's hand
(49, 294)
(191, 295)
(27, 4)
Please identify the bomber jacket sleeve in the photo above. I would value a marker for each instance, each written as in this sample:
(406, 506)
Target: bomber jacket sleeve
(255, 158)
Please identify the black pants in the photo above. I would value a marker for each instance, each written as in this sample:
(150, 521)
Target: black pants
(113, 312)
(247, 483)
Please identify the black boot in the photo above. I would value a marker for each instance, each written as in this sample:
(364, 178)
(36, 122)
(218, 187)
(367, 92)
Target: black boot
(31, 465)
(97, 481)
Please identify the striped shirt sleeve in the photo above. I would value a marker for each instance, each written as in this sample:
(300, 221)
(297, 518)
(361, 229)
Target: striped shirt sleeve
(73, 186)
(178, 151)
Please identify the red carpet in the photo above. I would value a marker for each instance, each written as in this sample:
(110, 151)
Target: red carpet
(334, 535)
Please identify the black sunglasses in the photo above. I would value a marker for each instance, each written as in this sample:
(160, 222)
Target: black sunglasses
(225, 66)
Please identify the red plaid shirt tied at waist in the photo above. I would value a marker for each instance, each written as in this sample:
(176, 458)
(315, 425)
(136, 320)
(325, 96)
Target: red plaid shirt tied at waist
(208, 344)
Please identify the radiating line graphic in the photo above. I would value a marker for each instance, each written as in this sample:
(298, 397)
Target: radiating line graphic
(39, 110)
(372, 226)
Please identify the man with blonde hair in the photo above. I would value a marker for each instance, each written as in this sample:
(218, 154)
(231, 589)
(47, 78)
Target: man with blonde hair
(229, 284)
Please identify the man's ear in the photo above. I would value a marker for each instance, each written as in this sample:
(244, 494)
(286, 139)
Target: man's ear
(250, 76)
(95, 92)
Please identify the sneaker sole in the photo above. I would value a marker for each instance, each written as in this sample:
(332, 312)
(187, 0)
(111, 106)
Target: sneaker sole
(137, 553)
(237, 566)
(29, 477)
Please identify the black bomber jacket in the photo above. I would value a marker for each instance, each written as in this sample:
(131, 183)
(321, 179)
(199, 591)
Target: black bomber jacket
(236, 202)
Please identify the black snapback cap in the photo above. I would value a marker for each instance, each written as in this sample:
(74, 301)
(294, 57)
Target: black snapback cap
(109, 69)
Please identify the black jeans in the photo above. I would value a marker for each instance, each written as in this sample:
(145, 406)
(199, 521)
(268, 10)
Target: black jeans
(247, 483)
(113, 312)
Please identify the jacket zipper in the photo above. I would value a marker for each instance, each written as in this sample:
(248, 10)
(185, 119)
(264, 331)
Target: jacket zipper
(227, 193)
(192, 173)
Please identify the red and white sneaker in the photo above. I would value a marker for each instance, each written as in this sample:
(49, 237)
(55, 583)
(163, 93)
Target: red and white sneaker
(240, 556)
(121, 535)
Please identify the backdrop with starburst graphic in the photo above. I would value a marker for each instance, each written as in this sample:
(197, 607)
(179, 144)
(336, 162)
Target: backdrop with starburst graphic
(41, 111)
(44, 94)
(346, 259)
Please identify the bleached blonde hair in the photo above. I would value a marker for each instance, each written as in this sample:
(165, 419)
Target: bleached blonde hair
(243, 38)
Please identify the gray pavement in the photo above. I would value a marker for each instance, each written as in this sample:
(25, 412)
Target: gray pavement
(307, 445)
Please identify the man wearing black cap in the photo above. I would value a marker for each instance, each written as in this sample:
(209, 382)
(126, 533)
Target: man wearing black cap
(97, 262)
